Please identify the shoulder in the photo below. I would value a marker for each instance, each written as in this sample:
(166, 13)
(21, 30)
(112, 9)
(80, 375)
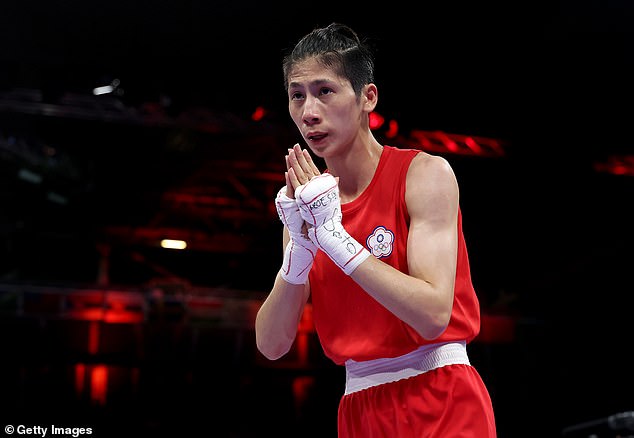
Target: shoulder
(430, 171)
(430, 181)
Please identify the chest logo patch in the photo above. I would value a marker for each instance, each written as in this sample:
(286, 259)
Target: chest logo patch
(380, 242)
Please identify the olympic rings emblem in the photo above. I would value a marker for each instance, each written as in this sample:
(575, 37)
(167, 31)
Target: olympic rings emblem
(380, 242)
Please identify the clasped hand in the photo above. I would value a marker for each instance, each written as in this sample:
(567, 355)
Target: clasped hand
(316, 194)
(316, 200)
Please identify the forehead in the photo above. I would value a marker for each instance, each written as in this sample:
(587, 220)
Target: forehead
(311, 70)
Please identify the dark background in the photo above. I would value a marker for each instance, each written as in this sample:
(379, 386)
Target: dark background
(175, 152)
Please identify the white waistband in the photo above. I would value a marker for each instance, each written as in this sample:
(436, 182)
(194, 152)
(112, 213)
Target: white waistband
(363, 375)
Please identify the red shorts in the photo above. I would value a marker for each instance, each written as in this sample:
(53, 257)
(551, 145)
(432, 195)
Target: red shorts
(450, 401)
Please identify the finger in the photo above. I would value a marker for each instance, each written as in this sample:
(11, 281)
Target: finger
(290, 191)
(286, 157)
(309, 160)
(295, 182)
(294, 165)
(303, 162)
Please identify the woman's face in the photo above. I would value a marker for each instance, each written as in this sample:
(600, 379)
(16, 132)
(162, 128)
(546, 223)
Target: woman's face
(324, 107)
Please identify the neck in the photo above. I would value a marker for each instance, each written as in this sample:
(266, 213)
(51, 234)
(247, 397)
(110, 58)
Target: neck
(356, 169)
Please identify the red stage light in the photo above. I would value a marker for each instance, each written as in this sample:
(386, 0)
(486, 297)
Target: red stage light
(376, 120)
(258, 114)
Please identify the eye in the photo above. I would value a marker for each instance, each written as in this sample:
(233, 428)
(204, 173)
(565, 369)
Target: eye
(296, 95)
(325, 90)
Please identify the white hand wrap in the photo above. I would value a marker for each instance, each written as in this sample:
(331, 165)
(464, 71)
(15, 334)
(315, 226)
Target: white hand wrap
(319, 205)
(300, 251)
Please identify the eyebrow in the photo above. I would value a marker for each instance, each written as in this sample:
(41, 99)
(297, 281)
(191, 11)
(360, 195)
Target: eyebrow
(311, 83)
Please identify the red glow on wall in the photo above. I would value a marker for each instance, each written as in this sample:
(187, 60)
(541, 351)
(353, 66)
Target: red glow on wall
(99, 384)
(93, 337)
(306, 323)
(301, 390)
(617, 165)
(497, 329)
(80, 379)
(258, 114)
(302, 347)
(448, 142)
(473, 145)
(107, 306)
(376, 120)
(392, 130)
(304, 329)
(442, 142)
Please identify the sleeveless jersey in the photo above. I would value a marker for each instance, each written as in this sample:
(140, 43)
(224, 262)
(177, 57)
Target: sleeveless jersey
(349, 322)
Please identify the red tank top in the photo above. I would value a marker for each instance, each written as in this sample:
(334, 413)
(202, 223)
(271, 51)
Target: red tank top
(349, 322)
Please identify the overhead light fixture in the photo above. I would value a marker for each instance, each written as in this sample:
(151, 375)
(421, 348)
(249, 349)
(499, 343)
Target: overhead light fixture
(173, 244)
(57, 198)
(27, 175)
(107, 89)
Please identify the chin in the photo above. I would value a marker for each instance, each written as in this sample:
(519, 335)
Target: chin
(318, 150)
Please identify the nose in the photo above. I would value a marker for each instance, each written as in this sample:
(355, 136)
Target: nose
(310, 114)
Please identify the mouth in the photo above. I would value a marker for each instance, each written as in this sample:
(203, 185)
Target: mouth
(316, 136)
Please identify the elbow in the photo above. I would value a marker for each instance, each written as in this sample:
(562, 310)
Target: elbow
(272, 340)
(433, 332)
(435, 326)
(273, 350)
(435, 320)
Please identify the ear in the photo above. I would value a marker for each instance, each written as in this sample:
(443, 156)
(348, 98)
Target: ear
(370, 97)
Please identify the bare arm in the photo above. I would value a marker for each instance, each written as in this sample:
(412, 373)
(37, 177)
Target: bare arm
(278, 317)
(423, 299)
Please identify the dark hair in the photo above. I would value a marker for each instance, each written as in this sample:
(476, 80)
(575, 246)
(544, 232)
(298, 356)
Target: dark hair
(338, 47)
